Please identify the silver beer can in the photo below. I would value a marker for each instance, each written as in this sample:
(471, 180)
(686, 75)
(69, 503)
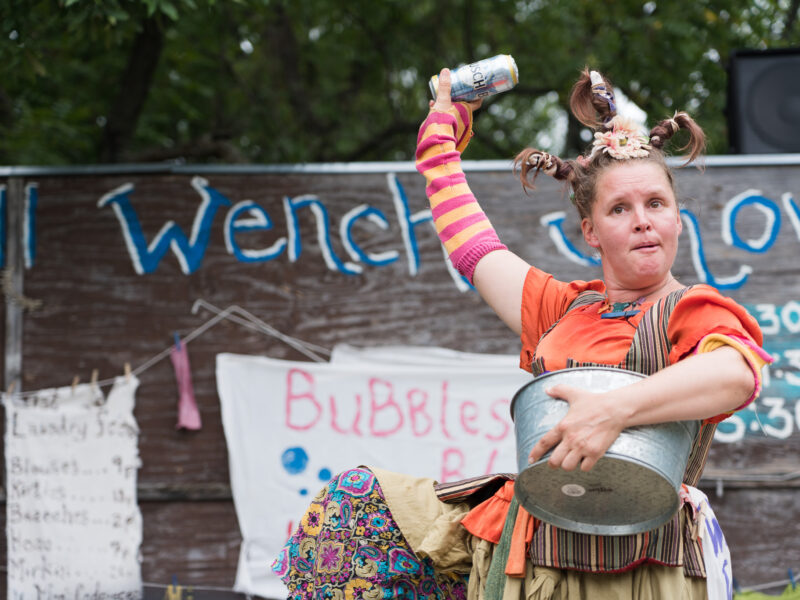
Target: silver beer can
(479, 79)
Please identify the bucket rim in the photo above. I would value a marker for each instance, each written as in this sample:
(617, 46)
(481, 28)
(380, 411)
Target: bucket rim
(536, 380)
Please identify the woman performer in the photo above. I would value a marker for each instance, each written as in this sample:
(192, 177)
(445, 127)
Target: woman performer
(374, 534)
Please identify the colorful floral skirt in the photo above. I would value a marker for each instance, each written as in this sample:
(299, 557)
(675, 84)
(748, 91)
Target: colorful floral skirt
(347, 545)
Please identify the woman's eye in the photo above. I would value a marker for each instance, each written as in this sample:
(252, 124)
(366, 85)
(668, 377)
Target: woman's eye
(617, 210)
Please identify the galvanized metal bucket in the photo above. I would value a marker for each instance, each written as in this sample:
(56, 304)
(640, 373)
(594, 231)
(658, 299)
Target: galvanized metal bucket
(632, 488)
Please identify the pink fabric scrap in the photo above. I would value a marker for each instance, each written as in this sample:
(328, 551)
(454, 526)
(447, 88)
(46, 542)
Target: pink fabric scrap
(188, 414)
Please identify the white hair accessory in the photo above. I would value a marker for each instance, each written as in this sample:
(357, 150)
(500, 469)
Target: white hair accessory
(599, 89)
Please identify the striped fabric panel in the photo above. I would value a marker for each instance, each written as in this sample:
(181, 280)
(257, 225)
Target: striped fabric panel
(693, 564)
(457, 491)
(562, 549)
(574, 364)
(649, 353)
(537, 366)
(699, 454)
(651, 346)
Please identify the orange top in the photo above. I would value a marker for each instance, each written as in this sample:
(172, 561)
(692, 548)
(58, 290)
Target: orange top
(584, 336)
(702, 320)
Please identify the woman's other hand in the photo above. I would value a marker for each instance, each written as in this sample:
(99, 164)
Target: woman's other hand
(584, 434)
(443, 102)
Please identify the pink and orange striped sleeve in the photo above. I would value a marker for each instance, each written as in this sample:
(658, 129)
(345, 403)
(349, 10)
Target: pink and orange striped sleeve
(462, 226)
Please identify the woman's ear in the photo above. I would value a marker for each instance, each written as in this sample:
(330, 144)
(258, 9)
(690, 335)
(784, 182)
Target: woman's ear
(588, 233)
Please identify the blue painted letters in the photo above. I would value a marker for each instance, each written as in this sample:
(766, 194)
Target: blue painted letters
(375, 216)
(188, 252)
(258, 220)
(699, 258)
(407, 221)
(554, 221)
(765, 205)
(291, 206)
(29, 224)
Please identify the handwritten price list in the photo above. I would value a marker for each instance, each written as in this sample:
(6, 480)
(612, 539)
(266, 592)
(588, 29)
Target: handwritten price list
(74, 527)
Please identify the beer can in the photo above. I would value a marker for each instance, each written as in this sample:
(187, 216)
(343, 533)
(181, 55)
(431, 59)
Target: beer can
(479, 79)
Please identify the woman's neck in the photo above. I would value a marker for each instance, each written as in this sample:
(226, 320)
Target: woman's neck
(616, 293)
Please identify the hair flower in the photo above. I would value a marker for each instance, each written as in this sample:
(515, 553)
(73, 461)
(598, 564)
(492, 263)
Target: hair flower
(621, 139)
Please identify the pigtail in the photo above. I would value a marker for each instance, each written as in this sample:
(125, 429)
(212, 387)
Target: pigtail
(592, 99)
(530, 161)
(661, 134)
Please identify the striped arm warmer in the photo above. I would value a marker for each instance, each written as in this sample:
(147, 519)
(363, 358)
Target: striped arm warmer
(462, 226)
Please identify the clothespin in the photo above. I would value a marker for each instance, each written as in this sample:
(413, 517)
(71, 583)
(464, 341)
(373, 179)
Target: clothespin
(11, 387)
(177, 340)
(75, 381)
(720, 488)
(791, 578)
(735, 584)
(174, 591)
(127, 372)
(98, 400)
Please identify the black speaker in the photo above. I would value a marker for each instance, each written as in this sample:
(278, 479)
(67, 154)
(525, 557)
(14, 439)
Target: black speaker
(764, 101)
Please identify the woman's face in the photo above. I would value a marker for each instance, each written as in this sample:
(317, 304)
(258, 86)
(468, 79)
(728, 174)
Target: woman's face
(635, 224)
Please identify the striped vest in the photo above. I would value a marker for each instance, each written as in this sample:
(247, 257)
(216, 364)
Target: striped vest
(671, 544)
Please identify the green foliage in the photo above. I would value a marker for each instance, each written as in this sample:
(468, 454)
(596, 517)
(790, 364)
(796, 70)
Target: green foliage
(319, 80)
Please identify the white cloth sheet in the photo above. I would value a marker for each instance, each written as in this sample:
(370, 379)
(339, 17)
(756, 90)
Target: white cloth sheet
(73, 523)
(291, 426)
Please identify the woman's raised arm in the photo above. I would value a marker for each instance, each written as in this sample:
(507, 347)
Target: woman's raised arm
(469, 238)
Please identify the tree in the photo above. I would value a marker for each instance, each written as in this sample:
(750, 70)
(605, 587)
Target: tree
(272, 81)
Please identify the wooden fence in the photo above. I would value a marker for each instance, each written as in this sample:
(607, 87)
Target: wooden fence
(104, 265)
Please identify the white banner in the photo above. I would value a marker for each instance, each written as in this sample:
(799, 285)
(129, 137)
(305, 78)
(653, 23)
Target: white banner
(424, 356)
(291, 426)
(74, 527)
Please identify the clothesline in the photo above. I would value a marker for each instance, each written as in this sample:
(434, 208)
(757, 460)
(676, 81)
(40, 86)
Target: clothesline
(247, 319)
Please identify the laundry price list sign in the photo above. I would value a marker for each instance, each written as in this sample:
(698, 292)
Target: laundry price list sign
(73, 525)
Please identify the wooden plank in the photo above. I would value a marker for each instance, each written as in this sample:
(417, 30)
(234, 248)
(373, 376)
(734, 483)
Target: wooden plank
(13, 273)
